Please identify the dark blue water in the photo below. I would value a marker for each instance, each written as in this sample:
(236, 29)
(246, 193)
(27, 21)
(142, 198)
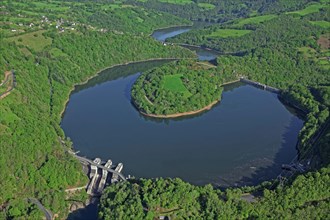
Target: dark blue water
(242, 140)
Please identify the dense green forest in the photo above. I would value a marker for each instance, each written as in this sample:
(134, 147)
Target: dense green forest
(284, 52)
(307, 197)
(33, 163)
(178, 87)
(220, 11)
(53, 45)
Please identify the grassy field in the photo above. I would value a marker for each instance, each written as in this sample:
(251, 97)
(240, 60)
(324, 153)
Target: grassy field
(319, 57)
(322, 24)
(255, 20)
(307, 51)
(178, 2)
(34, 40)
(175, 84)
(312, 8)
(55, 52)
(55, 6)
(206, 6)
(224, 33)
(111, 6)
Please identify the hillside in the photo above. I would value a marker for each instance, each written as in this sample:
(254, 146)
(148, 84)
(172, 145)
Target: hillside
(48, 62)
(50, 46)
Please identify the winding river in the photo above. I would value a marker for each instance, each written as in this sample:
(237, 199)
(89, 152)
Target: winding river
(243, 140)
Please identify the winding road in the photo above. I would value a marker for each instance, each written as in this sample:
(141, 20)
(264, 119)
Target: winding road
(48, 214)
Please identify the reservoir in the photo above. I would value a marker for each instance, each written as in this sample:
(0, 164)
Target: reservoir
(243, 140)
(203, 54)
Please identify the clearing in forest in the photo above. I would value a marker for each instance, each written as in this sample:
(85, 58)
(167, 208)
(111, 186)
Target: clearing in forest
(34, 40)
(312, 8)
(178, 2)
(175, 84)
(322, 24)
(206, 6)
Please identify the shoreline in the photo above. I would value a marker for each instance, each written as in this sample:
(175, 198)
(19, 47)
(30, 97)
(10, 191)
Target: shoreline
(171, 26)
(110, 67)
(176, 115)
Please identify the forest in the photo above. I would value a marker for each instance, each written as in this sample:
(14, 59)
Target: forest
(220, 11)
(177, 87)
(282, 52)
(33, 163)
(53, 45)
(307, 197)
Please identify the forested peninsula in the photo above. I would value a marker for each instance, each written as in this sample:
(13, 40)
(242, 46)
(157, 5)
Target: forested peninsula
(177, 89)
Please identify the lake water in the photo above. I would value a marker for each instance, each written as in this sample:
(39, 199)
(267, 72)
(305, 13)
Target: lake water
(243, 140)
(203, 54)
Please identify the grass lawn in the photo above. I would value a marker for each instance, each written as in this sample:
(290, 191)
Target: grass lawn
(34, 40)
(51, 5)
(55, 52)
(178, 2)
(175, 84)
(111, 6)
(325, 64)
(229, 33)
(307, 51)
(309, 9)
(255, 20)
(322, 24)
(206, 6)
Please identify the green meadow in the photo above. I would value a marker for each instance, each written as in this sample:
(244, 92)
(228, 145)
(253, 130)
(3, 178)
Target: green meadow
(178, 2)
(175, 84)
(312, 8)
(34, 40)
(322, 24)
(206, 6)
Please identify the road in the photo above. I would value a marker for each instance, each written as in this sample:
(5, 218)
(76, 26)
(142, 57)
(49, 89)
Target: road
(10, 87)
(83, 159)
(48, 214)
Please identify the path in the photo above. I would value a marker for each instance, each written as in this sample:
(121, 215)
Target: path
(9, 78)
(48, 214)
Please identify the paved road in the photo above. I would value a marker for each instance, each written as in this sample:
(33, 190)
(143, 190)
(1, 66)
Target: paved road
(48, 214)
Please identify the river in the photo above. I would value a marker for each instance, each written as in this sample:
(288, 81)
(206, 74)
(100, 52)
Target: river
(203, 54)
(243, 140)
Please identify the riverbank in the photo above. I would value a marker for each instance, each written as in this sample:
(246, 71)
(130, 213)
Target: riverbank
(208, 107)
(172, 26)
(113, 66)
(176, 115)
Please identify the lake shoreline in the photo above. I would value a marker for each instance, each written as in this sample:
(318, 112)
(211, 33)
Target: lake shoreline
(110, 67)
(176, 115)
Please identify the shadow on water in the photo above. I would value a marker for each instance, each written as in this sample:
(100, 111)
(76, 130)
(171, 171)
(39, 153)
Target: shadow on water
(117, 72)
(268, 169)
(88, 212)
